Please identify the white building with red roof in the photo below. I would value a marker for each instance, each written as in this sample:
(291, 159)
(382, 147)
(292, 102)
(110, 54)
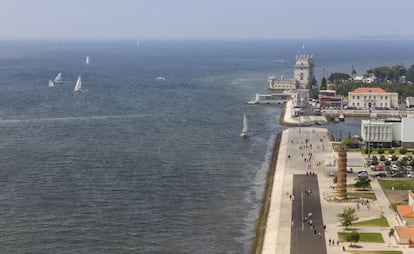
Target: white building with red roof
(374, 97)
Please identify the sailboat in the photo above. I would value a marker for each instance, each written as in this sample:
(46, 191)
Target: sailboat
(87, 61)
(51, 84)
(58, 78)
(78, 85)
(245, 130)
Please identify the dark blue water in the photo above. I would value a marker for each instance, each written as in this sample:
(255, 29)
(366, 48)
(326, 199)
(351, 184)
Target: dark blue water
(138, 165)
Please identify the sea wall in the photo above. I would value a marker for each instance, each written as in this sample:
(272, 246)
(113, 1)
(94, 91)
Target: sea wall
(287, 119)
(264, 210)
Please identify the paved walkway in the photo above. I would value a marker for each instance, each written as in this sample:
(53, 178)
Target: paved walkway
(279, 225)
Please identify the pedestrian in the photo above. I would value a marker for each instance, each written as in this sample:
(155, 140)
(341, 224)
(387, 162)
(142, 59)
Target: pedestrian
(314, 231)
(337, 242)
(290, 197)
(329, 241)
(343, 248)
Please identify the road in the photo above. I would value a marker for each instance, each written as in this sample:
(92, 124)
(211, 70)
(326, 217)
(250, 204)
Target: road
(306, 238)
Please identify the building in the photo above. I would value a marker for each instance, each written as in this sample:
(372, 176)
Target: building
(410, 102)
(407, 134)
(328, 99)
(281, 84)
(304, 71)
(404, 234)
(379, 133)
(374, 97)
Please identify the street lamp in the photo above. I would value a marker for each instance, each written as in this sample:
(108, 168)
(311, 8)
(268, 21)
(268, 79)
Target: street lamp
(369, 131)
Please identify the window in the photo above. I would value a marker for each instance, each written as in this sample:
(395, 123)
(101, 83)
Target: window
(381, 97)
(353, 97)
(386, 97)
(365, 97)
(358, 97)
(358, 104)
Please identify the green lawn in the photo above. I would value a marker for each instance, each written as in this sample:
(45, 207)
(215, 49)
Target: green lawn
(364, 195)
(376, 252)
(365, 237)
(379, 222)
(403, 184)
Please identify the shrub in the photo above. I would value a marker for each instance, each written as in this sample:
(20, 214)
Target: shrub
(394, 157)
(381, 151)
(387, 163)
(391, 151)
(403, 151)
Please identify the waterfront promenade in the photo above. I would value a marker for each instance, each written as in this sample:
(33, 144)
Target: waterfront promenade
(284, 229)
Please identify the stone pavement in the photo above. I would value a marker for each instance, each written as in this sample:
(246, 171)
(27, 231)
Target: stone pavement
(279, 225)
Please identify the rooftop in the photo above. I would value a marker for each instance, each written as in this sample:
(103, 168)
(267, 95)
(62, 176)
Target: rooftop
(369, 90)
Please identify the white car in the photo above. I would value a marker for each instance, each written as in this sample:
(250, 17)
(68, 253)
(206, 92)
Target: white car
(363, 173)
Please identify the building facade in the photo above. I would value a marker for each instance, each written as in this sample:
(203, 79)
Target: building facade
(281, 84)
(374, 97)
(304, 71)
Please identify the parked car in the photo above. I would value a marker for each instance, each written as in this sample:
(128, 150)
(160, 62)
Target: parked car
(398, 175)
(363, 173)
(380, 175)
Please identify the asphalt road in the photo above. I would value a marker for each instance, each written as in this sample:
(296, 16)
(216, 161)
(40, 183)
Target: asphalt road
(303, 237)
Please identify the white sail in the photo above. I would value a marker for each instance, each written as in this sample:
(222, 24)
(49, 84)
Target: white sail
(51, 84)
(87, 61)
(58, 78)
(78, 85)
(245, 130)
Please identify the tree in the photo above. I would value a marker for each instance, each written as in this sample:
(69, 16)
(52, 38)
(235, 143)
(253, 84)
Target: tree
(362, 182)
(338, 77)
(382, 73)
(323, 84)
(410, 73)
(347, 217)
(353, 237)
(390, 234)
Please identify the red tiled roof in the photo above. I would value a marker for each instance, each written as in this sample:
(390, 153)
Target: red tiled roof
(405, 232)
(369, 90)
(405, 211)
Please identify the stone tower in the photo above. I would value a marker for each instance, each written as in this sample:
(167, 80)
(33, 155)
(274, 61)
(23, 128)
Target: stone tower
(303, 74)
(341, 178)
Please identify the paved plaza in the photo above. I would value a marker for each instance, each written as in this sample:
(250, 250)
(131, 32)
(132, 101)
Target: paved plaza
(302, 165)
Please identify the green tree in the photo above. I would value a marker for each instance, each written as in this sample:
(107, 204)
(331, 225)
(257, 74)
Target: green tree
(410, 73)
(347, 217)
(338, 77)
(362, 182)
(382, 73)
(323, 84)
(390, 234)
(353, 237)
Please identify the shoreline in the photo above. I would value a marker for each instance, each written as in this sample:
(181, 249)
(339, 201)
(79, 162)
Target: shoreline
(261, 221)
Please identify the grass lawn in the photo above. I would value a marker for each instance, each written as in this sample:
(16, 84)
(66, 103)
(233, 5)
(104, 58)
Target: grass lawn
(376, 252)
(364, 237)
(403, 184)
(379, 222)
(364, 195)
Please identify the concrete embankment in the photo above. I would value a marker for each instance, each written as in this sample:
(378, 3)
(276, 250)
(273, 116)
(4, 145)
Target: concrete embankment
(287, 119)
(264, 210)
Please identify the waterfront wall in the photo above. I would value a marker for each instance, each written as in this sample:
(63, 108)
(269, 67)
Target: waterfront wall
(264, 210)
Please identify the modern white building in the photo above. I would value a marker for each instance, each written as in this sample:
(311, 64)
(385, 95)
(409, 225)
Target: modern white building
(407, 133)
(374, 97)
(377, 133)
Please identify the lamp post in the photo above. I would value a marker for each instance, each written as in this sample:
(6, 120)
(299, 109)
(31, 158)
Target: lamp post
(369, 131)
